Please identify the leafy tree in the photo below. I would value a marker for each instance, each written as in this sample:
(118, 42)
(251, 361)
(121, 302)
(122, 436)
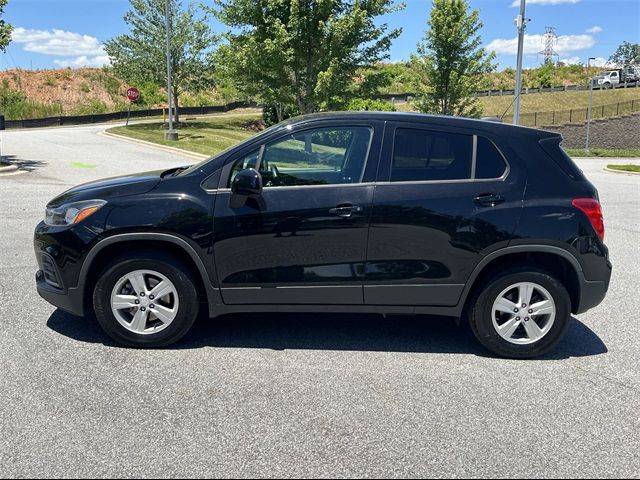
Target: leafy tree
(140, 56)
(544, 75)
(5, 28)
(301, 53)
(626, 54)
(450, 61)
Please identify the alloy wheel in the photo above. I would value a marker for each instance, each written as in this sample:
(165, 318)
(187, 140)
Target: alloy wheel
(523, 313)
(144, 302)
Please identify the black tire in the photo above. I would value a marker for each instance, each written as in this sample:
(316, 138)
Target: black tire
(482, 305)
(168, 266)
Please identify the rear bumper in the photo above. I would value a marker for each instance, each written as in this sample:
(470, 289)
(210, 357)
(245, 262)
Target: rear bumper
(592, 292)
(591, 295)
(69, 300)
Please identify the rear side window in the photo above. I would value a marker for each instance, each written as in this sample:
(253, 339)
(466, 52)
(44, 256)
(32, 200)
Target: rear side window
(420, 155)
(489, 161)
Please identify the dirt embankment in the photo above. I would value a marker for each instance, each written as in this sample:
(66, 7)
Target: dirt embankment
(71, 88)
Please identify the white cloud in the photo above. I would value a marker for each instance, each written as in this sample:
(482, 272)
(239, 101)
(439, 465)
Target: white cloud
(57, 42)
(84, 61)
(601, 62)
(516, 3)
(594, 29)
(533, 44)
(571, 61)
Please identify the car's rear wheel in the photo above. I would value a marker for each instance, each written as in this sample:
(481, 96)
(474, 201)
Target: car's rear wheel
(521, 313)
(146, 302)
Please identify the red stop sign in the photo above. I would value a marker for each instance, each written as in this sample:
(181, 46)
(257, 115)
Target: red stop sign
(133, 94)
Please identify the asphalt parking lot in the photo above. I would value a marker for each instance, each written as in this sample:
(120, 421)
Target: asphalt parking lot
(302, 395)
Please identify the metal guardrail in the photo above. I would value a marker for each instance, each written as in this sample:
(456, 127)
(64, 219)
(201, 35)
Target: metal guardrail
(108, 117)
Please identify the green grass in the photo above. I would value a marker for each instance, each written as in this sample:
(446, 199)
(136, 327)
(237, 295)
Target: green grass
(625, 168)
(207, 137)
(602, 152)
(548, 102)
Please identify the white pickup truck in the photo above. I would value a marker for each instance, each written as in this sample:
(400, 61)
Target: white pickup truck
(607, 79)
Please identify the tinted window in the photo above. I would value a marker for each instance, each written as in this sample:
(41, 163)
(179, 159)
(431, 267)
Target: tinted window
(324, 156)
(426, 155)
(317, 157)
(489, 162)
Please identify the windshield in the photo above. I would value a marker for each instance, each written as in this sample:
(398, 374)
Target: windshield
(199, 165)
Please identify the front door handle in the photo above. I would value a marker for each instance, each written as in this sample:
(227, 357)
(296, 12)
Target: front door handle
(488, 199)
(345, 211)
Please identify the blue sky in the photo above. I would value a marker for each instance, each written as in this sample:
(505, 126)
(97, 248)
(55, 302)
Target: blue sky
(60, 33)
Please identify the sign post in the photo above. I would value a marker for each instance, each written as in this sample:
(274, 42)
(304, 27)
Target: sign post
(133, 94)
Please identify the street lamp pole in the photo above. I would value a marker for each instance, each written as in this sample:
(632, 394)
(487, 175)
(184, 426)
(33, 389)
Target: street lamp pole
(590, 102)
(170, 134)
(521, 24)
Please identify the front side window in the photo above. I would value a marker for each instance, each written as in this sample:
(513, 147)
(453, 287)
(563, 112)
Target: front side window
(423, 155)
(322, 156)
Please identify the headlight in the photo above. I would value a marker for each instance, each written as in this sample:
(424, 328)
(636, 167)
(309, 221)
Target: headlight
(72, 213)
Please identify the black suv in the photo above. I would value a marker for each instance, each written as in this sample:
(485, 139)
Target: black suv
(350, 212)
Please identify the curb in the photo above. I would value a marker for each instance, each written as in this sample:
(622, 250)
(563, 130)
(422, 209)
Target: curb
(620, 172)
(9, 170)
(180, 151)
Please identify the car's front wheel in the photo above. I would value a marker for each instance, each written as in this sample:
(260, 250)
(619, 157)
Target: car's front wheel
(146, 302)
(521, 313)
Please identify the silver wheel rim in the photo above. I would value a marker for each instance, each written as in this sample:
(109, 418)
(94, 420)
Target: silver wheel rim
(523, 313)
(144, 302)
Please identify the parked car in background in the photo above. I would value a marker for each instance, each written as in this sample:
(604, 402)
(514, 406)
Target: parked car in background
(389, 213)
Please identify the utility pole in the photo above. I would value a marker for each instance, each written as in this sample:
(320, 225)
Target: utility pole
(590, 102)
(170, 134)
(521, 24)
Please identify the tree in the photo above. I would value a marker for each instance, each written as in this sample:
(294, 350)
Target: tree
(626, 54)
(140, 56)
(5, 28)
(450, 61)
(301, 53)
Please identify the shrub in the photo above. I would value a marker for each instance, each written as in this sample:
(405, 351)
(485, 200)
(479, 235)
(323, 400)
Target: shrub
(94, 106)
(15, 105)
(369, 104)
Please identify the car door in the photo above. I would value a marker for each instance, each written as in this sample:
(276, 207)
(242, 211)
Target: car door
(303, 240)
(444, 198)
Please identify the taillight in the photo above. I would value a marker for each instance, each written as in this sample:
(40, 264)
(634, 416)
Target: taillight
(591, 208)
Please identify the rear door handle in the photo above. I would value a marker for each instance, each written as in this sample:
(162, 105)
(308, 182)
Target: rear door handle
(488, 199)
(345, 211)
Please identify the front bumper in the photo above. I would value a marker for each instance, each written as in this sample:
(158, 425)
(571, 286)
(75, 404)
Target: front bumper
(69, 300)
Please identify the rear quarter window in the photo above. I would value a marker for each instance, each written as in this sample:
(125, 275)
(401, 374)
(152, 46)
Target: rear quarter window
(552, 147)
(489, 161)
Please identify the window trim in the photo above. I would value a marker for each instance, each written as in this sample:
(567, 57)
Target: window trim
(474, 158)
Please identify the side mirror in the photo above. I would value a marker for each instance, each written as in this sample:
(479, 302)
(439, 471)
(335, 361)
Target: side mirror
(247, 183)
